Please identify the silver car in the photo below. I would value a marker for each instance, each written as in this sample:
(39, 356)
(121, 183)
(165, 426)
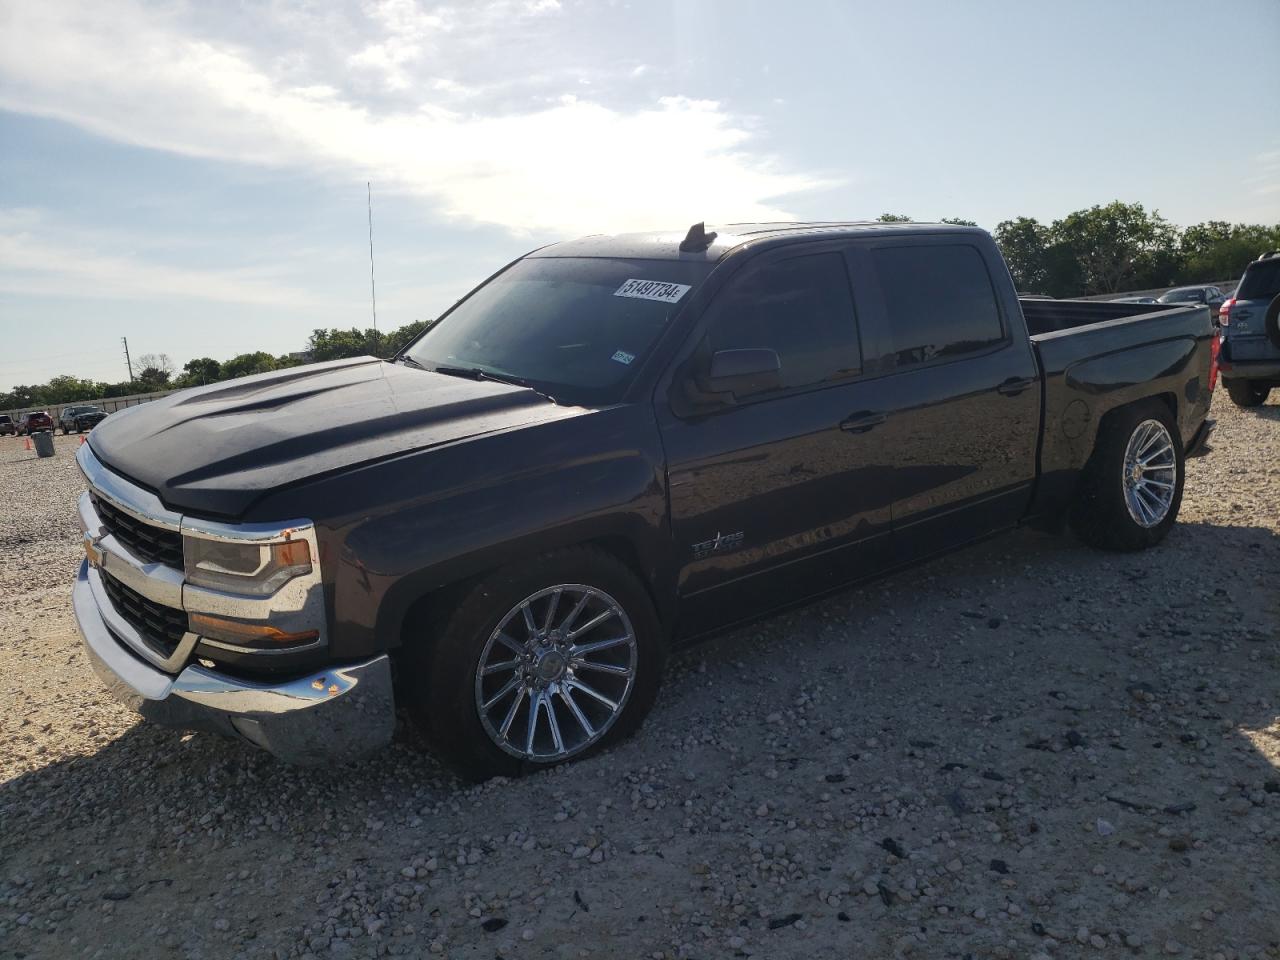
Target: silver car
(1212, 297)
(1250, 325)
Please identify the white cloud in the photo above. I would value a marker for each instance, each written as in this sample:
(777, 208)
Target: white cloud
(573, 166)
(36, 258)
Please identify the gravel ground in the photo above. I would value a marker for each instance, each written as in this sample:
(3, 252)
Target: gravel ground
(1027, 750)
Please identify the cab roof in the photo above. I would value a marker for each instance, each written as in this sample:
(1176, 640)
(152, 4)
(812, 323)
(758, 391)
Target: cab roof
(665, 245)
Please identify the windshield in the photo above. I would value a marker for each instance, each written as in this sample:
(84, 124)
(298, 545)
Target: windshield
(1261, 281)
(1183, 296)
(576, 328)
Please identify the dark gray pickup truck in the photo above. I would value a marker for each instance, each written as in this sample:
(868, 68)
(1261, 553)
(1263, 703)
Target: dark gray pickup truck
(611, 446)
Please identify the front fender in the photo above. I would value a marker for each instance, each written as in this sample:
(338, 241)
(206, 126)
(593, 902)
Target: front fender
(415, 525)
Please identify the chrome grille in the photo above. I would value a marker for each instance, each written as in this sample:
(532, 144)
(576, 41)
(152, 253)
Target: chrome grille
(146, 542)
(162, 627)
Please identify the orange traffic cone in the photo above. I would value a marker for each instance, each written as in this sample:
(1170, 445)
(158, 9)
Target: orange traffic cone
(26, 443)
(82, 439)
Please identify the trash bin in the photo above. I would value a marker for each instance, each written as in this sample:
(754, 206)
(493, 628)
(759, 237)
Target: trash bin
(43, 442)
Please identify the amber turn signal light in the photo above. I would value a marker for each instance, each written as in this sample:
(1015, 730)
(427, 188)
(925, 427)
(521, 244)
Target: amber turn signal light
(247, 634)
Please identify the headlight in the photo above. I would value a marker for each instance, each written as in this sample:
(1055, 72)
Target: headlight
(259, 569)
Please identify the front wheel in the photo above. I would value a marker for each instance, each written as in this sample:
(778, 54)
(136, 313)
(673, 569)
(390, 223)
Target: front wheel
(538, 665)
(1247, 393)
(1131, 488)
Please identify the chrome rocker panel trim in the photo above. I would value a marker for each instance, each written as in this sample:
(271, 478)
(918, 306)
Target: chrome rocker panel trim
(341, 713)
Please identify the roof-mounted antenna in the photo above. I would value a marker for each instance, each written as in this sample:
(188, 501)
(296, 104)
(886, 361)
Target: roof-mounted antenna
(697, 239)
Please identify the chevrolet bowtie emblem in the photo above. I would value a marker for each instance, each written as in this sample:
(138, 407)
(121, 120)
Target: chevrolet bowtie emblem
(93, 550)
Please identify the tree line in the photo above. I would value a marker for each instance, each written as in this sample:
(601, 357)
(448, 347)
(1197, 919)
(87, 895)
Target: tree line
(155, 371)
(1119, 247)
(1104, 249)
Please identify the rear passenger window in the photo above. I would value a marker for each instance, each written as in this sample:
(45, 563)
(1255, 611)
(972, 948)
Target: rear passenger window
(802, 308)
(939, 300)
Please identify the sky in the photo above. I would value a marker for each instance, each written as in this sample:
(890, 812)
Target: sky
(192, 176)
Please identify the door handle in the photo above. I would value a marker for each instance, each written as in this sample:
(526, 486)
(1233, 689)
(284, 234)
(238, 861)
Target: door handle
(862, 422)
(1015, 385)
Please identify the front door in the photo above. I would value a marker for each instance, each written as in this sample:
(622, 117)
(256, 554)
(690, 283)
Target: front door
(785, 493)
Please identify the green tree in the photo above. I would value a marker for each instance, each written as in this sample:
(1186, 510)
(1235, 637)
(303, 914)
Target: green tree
(156, 361)
(247, 363)
(66, 388)
(122, 389)
(1024, 243)
(338, 344)
(956, 221)
(893, 218)
(23, 396)
(1117, 247)
(397, 339)
(1220, 251)
(152, 378)
(199, 371)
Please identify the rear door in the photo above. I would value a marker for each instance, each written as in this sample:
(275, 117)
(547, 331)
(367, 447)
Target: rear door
(785, 493)
(959, 386)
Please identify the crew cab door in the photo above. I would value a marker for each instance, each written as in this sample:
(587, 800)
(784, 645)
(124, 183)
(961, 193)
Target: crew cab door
(781, 492)
(959, 385)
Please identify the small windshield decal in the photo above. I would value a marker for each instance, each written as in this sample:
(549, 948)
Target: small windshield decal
(652, 290)
(623, 357)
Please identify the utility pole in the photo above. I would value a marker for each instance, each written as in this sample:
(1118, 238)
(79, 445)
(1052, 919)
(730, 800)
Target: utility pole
(128, 362)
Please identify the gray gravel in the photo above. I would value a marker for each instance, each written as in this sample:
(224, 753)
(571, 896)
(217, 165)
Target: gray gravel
(1028, 750)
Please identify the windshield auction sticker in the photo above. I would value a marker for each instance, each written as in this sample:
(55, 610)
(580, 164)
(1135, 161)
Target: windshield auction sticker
(652, 290)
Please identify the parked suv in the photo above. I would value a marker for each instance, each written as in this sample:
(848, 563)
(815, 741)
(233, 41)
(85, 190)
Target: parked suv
(7, 425)
(80, 418)
(1250, 328)
(34, 422)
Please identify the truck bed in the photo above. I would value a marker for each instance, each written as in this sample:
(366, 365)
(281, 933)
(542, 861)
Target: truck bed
(1096, 356)
(1052, 316)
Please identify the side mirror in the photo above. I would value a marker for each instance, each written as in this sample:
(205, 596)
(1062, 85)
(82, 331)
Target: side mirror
(742, 372)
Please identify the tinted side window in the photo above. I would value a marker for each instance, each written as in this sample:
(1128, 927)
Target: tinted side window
(1261, 280)
(939, 300)
(802, 308)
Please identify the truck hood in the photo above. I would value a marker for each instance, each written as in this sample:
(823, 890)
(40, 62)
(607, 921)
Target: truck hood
(215, 450)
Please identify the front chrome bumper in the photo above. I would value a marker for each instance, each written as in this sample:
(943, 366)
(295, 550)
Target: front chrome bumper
(344, 712)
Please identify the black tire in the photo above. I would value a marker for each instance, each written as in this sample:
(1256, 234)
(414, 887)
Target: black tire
(1100, 515)
(1247, 393)
(439, 668)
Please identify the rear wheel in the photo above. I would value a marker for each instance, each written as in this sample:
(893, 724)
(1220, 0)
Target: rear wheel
(538, 665)
(1247, 393)
(1131, 488)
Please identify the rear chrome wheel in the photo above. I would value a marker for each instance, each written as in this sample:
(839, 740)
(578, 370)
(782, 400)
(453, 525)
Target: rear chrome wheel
(556, 673)
(1150, 473)
(1130, 490)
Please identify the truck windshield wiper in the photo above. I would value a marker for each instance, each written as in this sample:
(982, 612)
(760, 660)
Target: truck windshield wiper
(411, 362)
(475, 373)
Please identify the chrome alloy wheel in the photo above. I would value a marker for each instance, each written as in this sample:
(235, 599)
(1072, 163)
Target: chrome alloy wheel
(1150, 473)
(556, 673)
